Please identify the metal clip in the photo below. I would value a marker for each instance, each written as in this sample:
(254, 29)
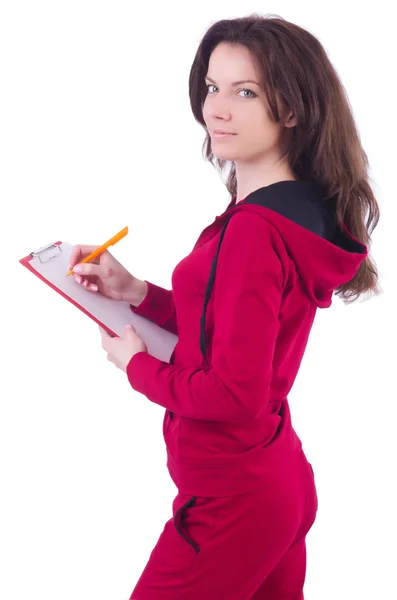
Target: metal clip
(45, 253)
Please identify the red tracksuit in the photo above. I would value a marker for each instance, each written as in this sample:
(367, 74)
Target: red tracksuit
(246, 493)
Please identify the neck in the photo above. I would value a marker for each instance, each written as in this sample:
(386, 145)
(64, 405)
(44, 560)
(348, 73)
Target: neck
(252, 176)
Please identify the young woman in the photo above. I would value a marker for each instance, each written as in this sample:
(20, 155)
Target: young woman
(243, 303)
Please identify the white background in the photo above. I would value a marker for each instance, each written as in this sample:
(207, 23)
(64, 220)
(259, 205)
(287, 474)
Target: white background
(96, 134)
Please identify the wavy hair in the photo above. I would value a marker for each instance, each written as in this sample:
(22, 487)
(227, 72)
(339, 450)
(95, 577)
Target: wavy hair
(325, 144)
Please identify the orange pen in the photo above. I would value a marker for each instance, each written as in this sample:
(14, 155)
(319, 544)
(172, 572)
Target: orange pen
(102, 248)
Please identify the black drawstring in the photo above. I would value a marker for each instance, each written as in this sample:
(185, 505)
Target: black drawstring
(208, 291)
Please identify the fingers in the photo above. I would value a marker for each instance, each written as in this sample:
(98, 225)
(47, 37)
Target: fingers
(91, 287)
(88, 269)
(104, 333)
(79, 252)
(83, 274)
(106, 337)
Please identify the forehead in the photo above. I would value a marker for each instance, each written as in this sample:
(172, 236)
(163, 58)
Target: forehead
(232, 62)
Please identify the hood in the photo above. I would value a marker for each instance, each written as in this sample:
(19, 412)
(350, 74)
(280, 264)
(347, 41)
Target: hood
(325, 255)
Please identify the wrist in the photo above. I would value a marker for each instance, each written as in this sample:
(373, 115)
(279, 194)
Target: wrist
(138, 292)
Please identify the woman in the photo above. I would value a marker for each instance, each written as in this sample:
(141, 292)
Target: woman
(274, 111)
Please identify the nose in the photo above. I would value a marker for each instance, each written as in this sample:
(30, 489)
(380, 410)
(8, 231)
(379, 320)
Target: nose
(220, 108)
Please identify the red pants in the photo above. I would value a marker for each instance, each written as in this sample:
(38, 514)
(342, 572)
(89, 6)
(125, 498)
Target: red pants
(246, 547)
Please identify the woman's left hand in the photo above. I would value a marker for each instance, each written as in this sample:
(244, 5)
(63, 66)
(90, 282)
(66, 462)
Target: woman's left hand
(121, 349)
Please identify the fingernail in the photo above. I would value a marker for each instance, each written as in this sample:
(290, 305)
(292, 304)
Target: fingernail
(78, 268)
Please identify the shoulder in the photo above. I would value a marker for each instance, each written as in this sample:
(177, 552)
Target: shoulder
(253, 245)
(253, 230)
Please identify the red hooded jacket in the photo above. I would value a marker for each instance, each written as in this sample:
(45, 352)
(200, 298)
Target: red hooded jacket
(227, 424)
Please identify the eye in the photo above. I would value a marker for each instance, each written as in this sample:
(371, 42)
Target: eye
(253, 95)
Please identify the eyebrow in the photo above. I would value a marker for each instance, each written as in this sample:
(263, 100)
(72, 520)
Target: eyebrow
(236, 82)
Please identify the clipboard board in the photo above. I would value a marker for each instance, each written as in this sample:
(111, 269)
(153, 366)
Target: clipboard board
(51, 263)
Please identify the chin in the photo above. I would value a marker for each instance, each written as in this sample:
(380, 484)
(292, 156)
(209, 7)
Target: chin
(223, 156)
(223, 153)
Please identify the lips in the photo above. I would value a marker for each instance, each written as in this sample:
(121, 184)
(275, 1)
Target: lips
(221, 132)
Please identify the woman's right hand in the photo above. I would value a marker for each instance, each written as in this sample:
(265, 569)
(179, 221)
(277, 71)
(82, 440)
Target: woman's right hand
(106, 276)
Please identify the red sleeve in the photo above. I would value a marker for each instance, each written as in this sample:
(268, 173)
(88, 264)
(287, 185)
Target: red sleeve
(158, 306)
(247, 295)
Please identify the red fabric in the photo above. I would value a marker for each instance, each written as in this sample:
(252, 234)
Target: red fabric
(158, 306)
(230, 423)
(246, 547)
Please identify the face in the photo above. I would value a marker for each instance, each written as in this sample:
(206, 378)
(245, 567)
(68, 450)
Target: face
(241, 109)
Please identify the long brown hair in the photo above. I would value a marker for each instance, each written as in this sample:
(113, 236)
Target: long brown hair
(325, 143)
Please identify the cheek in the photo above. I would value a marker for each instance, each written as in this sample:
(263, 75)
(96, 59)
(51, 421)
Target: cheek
(205, 112)
(259, 127)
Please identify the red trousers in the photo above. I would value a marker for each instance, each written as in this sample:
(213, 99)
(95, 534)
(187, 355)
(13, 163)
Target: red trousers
(245, 547)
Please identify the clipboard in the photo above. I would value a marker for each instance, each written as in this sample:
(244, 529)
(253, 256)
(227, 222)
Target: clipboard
(51, 263)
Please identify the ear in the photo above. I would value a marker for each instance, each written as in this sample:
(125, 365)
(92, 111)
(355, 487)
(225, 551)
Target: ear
(290, 120)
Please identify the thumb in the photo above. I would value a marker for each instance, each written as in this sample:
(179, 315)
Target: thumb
(87, 269)
(129, 329)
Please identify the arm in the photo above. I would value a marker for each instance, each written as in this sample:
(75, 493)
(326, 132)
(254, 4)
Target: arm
(157, 305)
(247, 296)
